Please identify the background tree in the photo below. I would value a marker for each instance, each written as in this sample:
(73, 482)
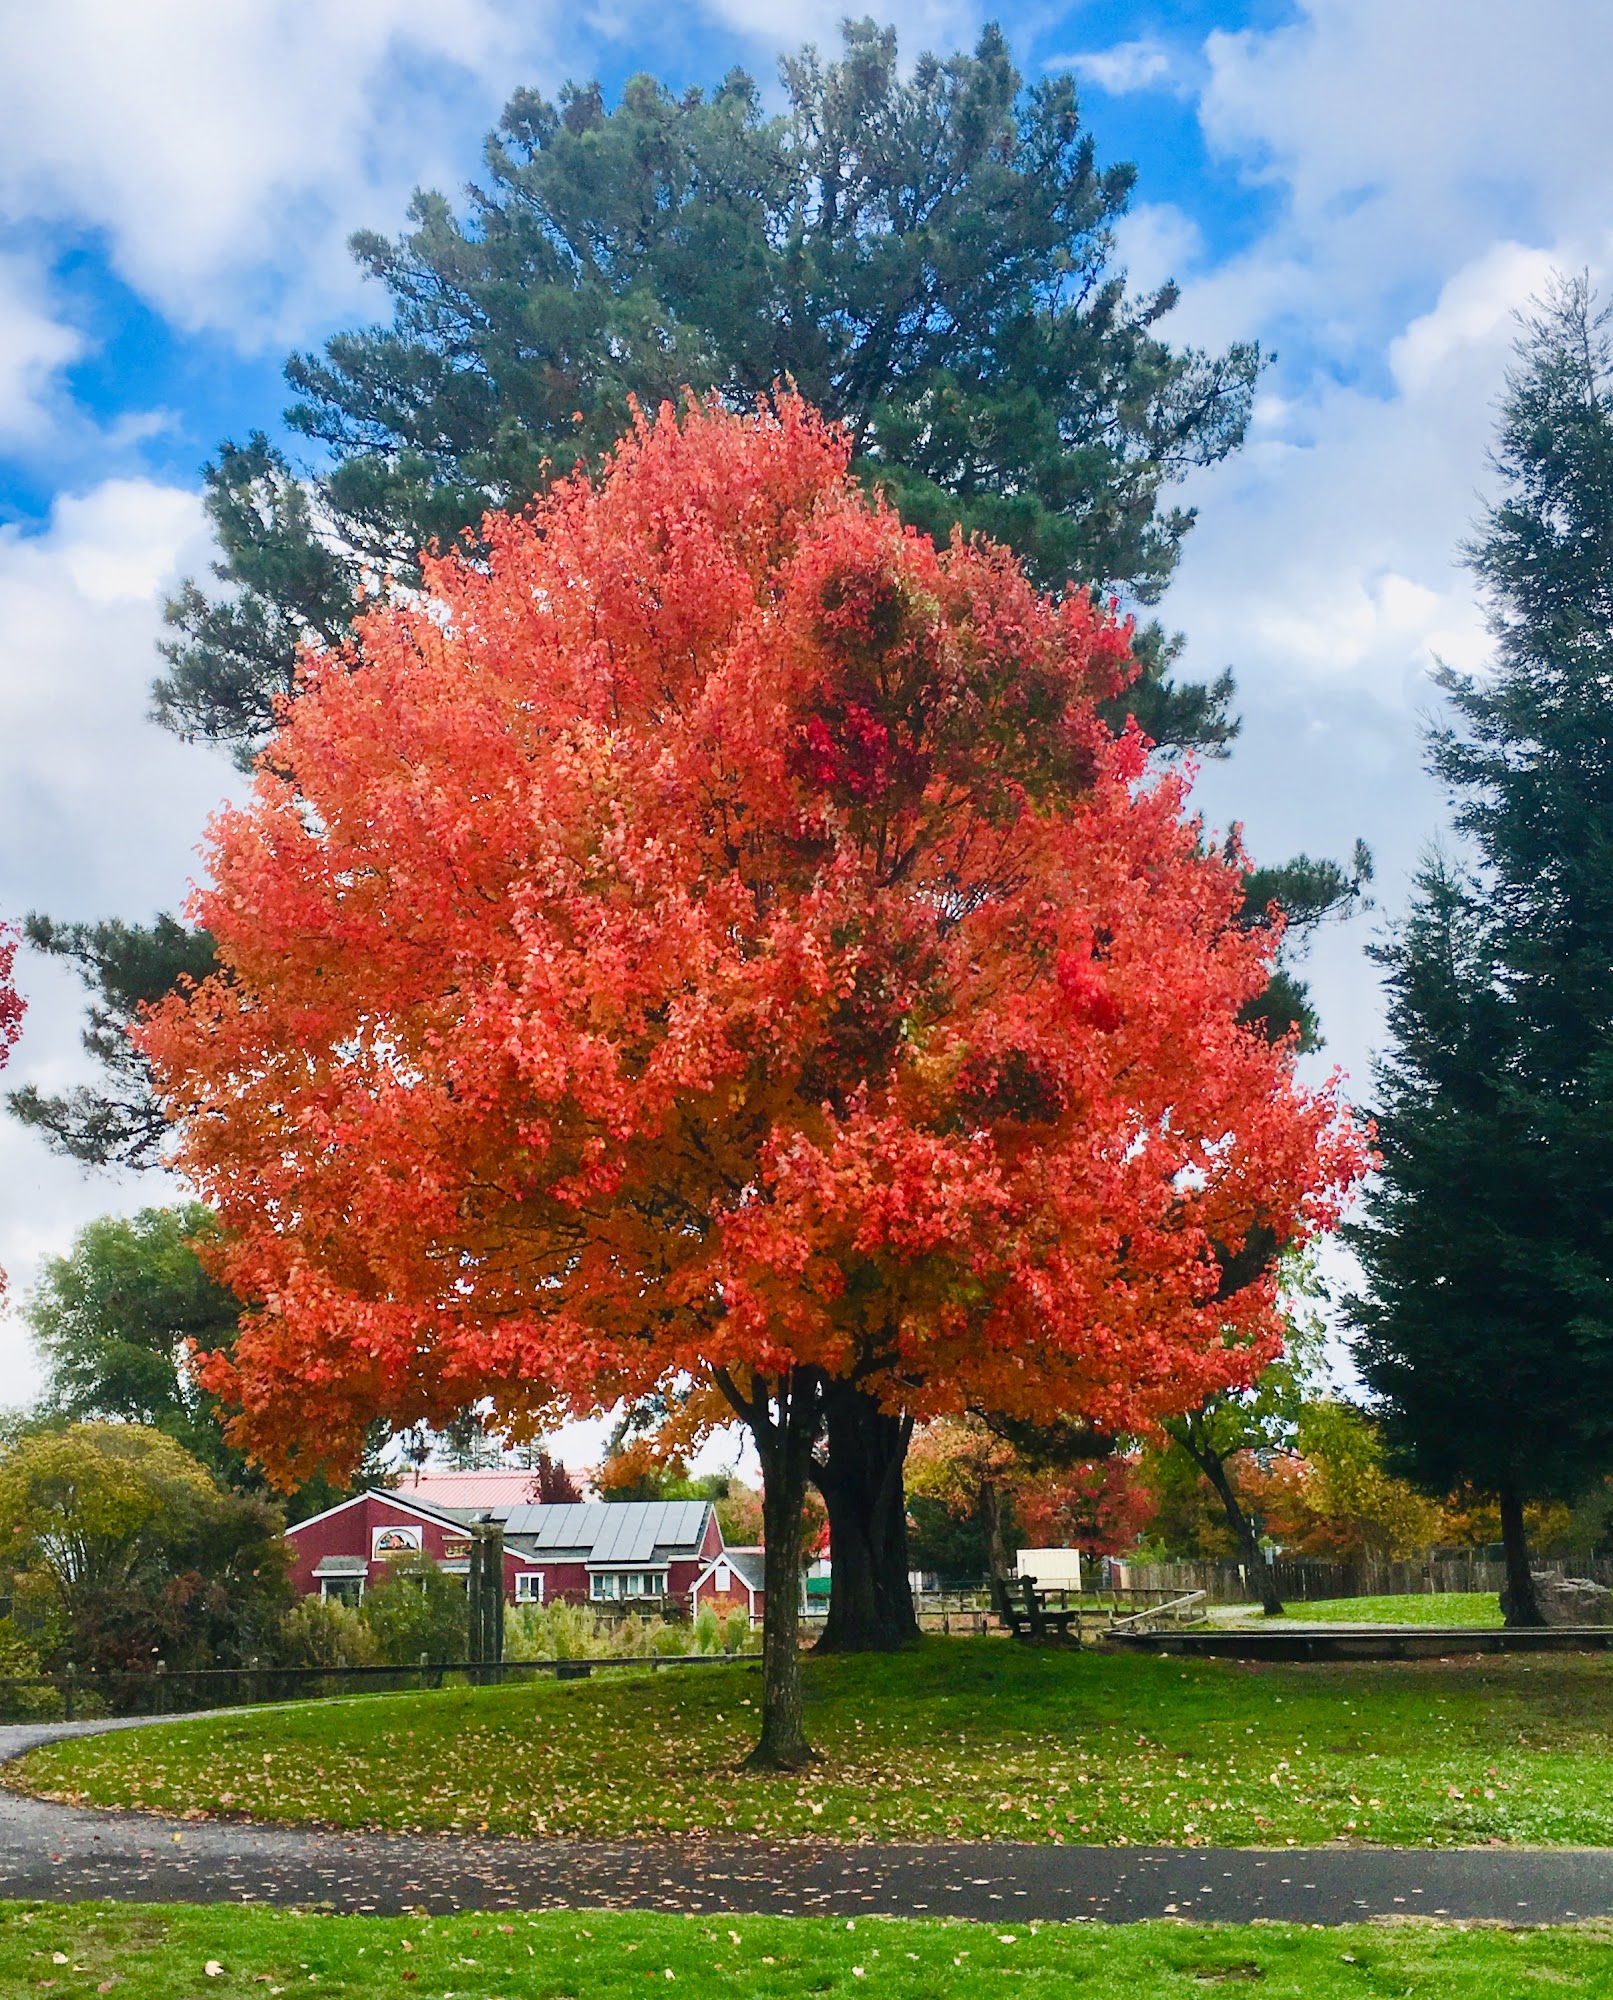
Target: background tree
(838, 1002)
(978, 1496)
(1485, 1328)
(1238, 1425)
(1332, 1497)
(961, 1466)
(121, 1547)
(10, 1010)
(117, 1121)
(114, 1323)
(928, 258)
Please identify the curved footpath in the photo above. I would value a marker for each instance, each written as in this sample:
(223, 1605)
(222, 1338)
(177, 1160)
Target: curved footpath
(71, 1854)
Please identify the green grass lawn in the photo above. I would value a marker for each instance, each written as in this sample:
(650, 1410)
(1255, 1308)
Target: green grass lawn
(1473, 1608)
(182, 1953)
(961, 1739)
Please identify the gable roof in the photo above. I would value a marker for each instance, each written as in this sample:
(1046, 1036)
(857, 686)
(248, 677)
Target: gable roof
(612, 1531)
(746, 1564)
(410, 1505)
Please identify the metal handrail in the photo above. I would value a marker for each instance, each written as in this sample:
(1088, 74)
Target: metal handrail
(1157, 1610)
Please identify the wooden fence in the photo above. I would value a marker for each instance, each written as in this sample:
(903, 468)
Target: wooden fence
(1305, 1580)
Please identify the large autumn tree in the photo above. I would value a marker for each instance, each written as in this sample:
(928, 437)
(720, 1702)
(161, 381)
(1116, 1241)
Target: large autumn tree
(717, 934)
(926, 250)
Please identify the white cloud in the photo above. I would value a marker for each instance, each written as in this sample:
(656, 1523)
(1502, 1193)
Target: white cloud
(1406, 141)
(1127, 66)
(1429, 168)
(1154, 242)
(920, 24)
(1475, 316)
(100, 812)
(226, 149)
(34, 348)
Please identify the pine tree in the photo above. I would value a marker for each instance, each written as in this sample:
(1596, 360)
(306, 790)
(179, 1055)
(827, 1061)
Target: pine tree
(1487, 1328)
(925, 257)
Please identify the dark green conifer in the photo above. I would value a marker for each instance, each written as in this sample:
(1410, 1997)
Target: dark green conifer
(1487, 1324)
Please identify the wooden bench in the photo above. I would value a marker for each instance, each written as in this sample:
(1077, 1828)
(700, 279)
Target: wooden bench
(1038, 1620)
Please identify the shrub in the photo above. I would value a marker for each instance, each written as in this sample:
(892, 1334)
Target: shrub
(417, 1608)
(319, 1632)
(18, 1660)
(562, 1631)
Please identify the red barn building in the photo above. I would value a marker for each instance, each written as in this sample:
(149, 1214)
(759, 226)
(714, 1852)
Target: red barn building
(600, 1551)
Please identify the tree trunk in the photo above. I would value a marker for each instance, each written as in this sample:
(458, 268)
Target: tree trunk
(1522, 1603)
(860, 1478)
(991, 1520)
(1262, 1574)
(783, 1417)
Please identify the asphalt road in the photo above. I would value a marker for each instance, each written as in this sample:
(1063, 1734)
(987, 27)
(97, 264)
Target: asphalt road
(66, 1854)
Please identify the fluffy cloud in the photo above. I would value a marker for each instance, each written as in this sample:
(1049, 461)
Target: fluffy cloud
(100, 812)
(224, 150)
(1127, 66)
(34, 347)
(1404, 141)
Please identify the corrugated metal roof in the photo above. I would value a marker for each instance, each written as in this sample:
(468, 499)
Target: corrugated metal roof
(612, 1531)
(495, 1488)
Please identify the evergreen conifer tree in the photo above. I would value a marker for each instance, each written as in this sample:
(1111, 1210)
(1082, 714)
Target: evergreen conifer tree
(927, 258)
(1487, 1325)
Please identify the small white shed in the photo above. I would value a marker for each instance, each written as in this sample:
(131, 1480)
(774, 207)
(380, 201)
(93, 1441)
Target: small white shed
(1051, 1569)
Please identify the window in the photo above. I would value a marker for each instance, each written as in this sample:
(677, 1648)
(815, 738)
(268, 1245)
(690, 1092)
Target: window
(618, 1583)
(341, 1589)
(529, 1586)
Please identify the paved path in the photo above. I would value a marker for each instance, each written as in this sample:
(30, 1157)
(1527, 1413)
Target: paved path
(67, 1854)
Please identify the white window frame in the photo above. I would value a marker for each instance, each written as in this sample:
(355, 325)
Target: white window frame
(529, 1586)
(614, 1586)
(327, 1595)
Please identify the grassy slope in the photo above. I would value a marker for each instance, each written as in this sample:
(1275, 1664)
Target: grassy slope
(964, 1739)
(164, 1953)
(1473, 1608)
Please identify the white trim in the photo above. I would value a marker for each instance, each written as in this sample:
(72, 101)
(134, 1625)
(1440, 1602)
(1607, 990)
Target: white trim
(391, 1499)
(710, 1571)
(537, 1576)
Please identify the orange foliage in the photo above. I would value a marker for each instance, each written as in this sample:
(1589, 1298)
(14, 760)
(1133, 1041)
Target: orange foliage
(1101, 1508)
(720, 933)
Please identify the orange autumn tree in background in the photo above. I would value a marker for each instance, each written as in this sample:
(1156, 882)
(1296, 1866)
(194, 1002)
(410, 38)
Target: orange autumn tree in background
(717, 937)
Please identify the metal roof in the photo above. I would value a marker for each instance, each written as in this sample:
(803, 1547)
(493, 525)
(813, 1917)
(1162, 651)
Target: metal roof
(496, 1488)
(612, 1531)
(746, 1564)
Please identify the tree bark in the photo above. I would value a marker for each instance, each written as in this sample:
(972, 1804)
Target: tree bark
(783, 1416)
(1262, 1574)
(991, 1520)
(1522, 1603)
(860, 1477)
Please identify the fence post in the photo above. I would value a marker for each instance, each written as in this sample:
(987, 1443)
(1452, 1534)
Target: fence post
(485, 1589)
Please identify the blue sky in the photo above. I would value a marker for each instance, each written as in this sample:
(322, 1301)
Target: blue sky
(1369, 187)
